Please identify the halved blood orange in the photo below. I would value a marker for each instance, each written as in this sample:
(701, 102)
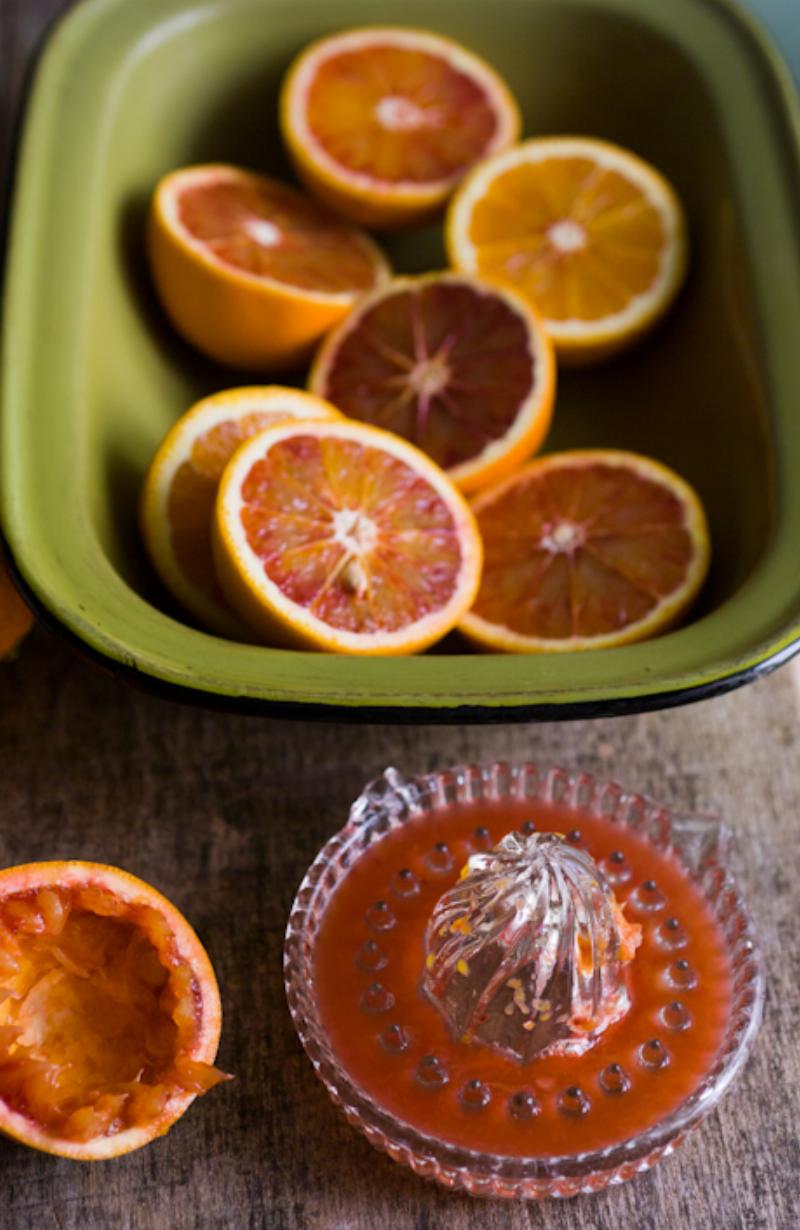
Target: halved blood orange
(15, 617)
(591, 234)
(177, 504)
(586, 550)
(340, 536)
(252, 271)
(109, 1014)
(382, 122)
(462, 369)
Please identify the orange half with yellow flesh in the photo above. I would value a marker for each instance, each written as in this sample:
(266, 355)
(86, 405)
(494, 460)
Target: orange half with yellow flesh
(176, 509)
(590, 234)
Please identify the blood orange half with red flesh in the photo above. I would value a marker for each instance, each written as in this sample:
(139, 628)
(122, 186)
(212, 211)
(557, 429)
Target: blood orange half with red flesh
(266, 229)
(586, 550)
(335, 535)
(109, 1014)
(462, 369)
(382, 122)
(250, 270)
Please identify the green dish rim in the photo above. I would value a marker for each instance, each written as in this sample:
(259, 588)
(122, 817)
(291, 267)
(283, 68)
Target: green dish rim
(554, 711)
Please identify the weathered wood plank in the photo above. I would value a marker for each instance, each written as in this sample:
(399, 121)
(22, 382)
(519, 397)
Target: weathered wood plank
(224, 813)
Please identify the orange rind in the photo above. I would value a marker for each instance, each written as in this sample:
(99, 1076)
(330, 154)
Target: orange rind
(110, 1015)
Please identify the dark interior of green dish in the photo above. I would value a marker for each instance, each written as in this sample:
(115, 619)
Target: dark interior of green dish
(692, 394)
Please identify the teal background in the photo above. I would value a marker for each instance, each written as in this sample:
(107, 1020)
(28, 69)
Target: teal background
(781, 19)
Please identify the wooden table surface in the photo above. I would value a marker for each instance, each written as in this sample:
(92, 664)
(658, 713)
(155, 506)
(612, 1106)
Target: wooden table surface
(224, 813)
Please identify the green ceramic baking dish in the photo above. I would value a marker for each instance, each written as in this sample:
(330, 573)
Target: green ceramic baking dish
(92, 374)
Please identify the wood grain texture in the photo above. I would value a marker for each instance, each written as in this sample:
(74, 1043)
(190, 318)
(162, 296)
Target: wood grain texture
(223, 813)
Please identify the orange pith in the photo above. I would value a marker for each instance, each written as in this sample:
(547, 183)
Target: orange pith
(251, 270)
(586, 550)
(177, 505)
(384, 121)
(586, 231)
(109, 1021)
(461, 369)
(336, 535)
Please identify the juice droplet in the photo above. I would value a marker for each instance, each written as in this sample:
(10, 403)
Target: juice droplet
(431, 1072)
(676, 1016)
(405, 883)
(671, 934)
(681, 974)
(440, 858)
(475, 1095)
(573, 1103)
(616, 869)
(522, 1105)
(377, 999)
(653, 1055)
(395, 1039)
(648, 898)
(614, 1079)
(380, 916)
(371, 957)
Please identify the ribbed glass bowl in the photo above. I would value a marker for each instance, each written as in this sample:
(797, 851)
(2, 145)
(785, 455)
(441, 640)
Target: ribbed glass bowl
(701, 843)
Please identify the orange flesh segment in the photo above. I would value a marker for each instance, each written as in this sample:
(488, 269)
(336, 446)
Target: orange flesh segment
(310, 497)
(399, 115)
(259, 227)
(580, 551)
(442, 365)
(190, 504)
(97, 1013)
(578, 239)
